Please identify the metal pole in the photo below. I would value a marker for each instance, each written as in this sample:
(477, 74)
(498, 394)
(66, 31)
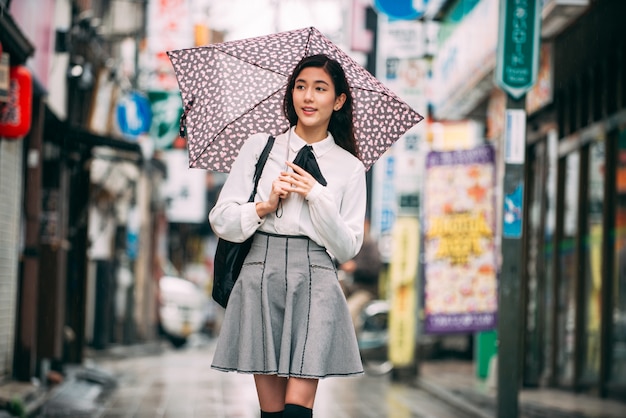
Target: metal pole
(510, 289)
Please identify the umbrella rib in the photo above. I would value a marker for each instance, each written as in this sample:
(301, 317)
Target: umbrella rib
(250, 63)
(237, 118)
(392, 95)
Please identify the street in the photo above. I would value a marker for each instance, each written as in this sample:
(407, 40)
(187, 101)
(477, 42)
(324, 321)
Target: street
(169, 382)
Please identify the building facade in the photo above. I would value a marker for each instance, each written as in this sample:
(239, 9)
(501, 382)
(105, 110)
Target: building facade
(574, 237)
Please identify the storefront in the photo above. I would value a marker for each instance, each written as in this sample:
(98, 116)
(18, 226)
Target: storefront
(15, 49)
(575, 238)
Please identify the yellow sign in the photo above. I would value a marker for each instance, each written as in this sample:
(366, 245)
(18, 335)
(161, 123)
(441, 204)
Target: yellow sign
(459, 235)
(403, 296)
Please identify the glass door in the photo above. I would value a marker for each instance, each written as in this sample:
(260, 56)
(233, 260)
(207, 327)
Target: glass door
(591, 296)
(547, 284)
(534, 265)
(567, 259)
(617, 375)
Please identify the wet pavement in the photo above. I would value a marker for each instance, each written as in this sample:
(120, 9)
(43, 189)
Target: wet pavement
(168, 382)
(156, 380)
(455, 382)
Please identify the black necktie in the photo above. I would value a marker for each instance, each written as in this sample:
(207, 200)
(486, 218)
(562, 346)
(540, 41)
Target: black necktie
(306, 160)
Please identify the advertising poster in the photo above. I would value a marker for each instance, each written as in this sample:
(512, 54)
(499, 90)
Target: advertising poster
(460, 281)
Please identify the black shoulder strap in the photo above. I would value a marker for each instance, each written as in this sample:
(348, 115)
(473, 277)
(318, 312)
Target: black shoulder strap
(258, 168)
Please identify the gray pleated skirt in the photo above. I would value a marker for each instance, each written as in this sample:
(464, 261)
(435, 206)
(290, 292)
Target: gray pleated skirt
(287, 314)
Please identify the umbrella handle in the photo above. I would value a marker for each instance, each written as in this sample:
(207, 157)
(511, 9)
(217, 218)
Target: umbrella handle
(279, 209)
(182, 131)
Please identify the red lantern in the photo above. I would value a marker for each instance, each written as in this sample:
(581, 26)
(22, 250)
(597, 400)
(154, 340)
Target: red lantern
(16, 114)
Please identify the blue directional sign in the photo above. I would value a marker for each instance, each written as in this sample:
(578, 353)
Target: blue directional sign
(133, 114)
(400, 9)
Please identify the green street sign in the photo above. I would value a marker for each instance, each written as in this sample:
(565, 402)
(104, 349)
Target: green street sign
(518, 45)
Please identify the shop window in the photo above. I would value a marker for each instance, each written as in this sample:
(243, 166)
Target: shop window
(612, 80)
(566, 298)
(549, 228)
(597, 91)
(622, 80)
(592, 254)
(561, 106)
(618, 363)
(534, 265)
(573, 105)
(585, 91)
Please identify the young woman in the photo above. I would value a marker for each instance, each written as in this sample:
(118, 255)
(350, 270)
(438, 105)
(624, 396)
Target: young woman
(287, 320)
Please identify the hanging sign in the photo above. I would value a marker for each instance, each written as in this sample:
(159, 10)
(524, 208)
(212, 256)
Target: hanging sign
(134, 115)
(518, 45)
(401, 9)
(166, 112)
(15, 115)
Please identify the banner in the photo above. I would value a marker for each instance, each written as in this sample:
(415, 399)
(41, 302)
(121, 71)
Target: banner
(460, 281)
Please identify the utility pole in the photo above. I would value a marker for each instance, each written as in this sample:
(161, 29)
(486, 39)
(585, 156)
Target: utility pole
(516, 73)
(510, 287)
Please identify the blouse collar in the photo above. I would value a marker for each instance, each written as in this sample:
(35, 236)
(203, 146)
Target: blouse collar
(319, 148)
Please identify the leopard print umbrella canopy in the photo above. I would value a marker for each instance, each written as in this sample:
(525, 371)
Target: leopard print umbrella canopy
(234, 89)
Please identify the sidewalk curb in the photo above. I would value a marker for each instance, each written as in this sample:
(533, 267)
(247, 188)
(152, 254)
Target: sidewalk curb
(28, 397)
(457, 401)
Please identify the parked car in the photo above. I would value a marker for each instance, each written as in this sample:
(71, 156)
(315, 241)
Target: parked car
(182, 309)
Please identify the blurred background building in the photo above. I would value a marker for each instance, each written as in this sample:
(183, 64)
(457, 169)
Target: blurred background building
(98, 204)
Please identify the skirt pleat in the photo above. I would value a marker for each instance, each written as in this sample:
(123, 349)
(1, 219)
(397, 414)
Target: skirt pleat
(287, 314)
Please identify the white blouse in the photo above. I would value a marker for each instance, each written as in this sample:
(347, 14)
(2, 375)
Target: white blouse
(331, 215)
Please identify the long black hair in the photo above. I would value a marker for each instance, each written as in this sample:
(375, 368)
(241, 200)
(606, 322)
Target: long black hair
(340, 126)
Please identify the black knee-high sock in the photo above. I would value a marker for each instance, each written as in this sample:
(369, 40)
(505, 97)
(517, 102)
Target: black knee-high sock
(297, 411)
(278, 414)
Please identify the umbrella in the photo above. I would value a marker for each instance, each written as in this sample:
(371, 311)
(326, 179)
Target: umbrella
(234, 89)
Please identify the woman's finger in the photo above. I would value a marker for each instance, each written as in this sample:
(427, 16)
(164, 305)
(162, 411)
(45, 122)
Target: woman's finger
(299, 170)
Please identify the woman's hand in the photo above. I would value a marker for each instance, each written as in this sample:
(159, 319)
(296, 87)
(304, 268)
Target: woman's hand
(280, 190)
(300, 180)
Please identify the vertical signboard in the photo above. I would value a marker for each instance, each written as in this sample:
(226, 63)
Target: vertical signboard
(518, 45)
(460, 282)
(384, 206)
(166, 112)
(465, 57)
(402, 275)
(185, 189)
(170, 26)
(397, 175)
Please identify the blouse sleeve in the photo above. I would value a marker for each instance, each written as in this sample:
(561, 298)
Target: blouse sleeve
(233, 218)
(340, 226)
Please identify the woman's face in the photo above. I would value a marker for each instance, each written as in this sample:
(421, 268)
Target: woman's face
(314, 99)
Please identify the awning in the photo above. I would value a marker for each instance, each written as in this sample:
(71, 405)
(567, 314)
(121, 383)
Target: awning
(82, 136)
(13, 40)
